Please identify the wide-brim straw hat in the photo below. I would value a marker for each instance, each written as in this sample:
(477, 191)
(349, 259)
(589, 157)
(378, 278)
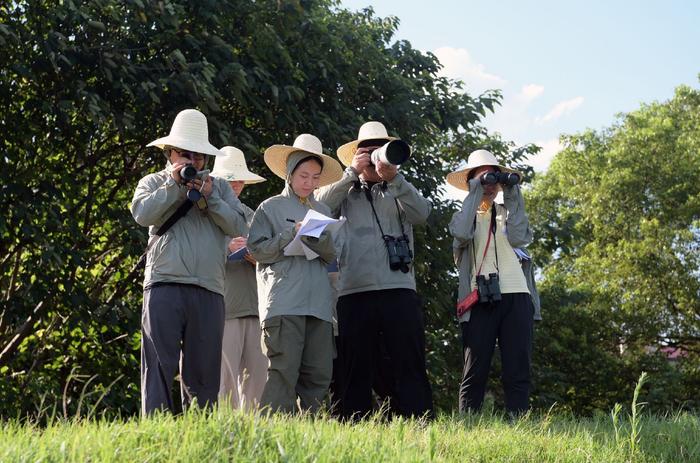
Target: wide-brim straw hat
(478, 158)
(231, 166)
(371, 130)
(189, 132)
(276, 158)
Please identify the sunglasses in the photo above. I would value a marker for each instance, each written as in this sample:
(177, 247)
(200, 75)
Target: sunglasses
(191, 155)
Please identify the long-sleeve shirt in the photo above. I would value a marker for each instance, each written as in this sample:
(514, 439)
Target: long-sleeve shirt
(517, 230)
(364, 260)
(190, 251)
(290, 285)
(241, 296)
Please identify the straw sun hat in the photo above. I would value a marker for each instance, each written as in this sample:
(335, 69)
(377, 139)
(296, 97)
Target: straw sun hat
(371, 130)
(478, 158)
(231, 166)
(276, 158)
(188, 132)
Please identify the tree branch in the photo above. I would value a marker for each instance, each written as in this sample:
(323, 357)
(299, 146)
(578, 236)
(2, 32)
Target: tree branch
(21, 333)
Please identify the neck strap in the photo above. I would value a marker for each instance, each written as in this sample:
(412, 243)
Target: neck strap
(492, 231)
(368, 195)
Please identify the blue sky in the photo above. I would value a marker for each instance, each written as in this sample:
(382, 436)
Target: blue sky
(563, 66)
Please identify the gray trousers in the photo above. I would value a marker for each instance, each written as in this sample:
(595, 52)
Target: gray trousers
(300, 349)
(181, 325)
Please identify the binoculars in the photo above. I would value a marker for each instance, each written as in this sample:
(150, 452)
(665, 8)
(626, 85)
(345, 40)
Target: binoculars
(395, 152)
(489, 290)
(504, 178)
(400, 254)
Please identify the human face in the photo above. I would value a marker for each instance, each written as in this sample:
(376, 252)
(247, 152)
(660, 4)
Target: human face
(305, 178)
(187, 157)
(490, 191)
(237, 186)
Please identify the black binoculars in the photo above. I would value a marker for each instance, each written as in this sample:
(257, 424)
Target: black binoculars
(400, 254)
(489, 290)
(504, 178)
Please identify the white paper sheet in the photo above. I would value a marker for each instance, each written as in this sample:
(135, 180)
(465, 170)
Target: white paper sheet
(313, 224)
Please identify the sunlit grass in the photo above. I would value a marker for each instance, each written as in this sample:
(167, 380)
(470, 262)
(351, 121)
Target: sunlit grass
(225, 435)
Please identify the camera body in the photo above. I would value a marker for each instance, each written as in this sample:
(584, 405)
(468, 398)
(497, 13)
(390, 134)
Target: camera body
(400, 254)
(504, 178)
(395, 152)
(489, 290)
(190, 173)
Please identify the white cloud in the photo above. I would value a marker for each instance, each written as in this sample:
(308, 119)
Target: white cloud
(515, 119)
(541, 161)
(561, 109)
(529, 92)
(458, 64)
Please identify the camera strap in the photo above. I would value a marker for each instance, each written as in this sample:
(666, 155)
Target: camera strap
(174, 217)
(368, 195)
(179, 213)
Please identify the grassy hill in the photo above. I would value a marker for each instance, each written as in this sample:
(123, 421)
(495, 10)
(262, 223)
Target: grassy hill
(225, 435)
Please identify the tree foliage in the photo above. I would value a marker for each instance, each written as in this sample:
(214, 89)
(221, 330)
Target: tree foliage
(85, 86)
(617, 221)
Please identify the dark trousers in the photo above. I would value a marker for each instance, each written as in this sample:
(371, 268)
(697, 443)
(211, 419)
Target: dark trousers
(510, 323)
(397, 315)
(181, 325)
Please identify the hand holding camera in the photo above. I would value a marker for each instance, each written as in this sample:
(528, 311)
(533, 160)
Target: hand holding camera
(198, 182)
(386, 172)
(361, 160)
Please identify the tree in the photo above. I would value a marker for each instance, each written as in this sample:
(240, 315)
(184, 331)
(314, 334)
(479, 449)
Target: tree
(617, 222)
(85, 87)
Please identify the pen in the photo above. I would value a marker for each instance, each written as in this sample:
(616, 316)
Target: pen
(291, 220)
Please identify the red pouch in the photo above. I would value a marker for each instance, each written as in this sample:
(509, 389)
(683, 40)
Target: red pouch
(467, 303)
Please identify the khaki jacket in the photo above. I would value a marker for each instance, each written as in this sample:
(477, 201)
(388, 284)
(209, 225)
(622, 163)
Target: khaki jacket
(241, 295)
(364, 261)
(517, 230)
(289, 285)
(190, 251)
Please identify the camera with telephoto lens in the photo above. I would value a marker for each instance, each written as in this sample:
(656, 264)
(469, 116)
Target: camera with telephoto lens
(400, 255)
(504, 178)
(489, 290)
(395, 152)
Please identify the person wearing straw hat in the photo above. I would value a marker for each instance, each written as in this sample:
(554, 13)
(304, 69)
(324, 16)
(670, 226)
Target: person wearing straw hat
(294, 294)
(377, 291)
(183, 299)
(243, 365)
(488, 242)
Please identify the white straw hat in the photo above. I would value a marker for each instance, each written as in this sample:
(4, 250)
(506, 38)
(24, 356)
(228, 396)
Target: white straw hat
(188, 132)
(478, 158)
(276, 158)
(371, 130)
(231, 166)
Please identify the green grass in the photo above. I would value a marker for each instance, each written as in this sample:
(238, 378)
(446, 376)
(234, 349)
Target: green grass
(224, 435)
